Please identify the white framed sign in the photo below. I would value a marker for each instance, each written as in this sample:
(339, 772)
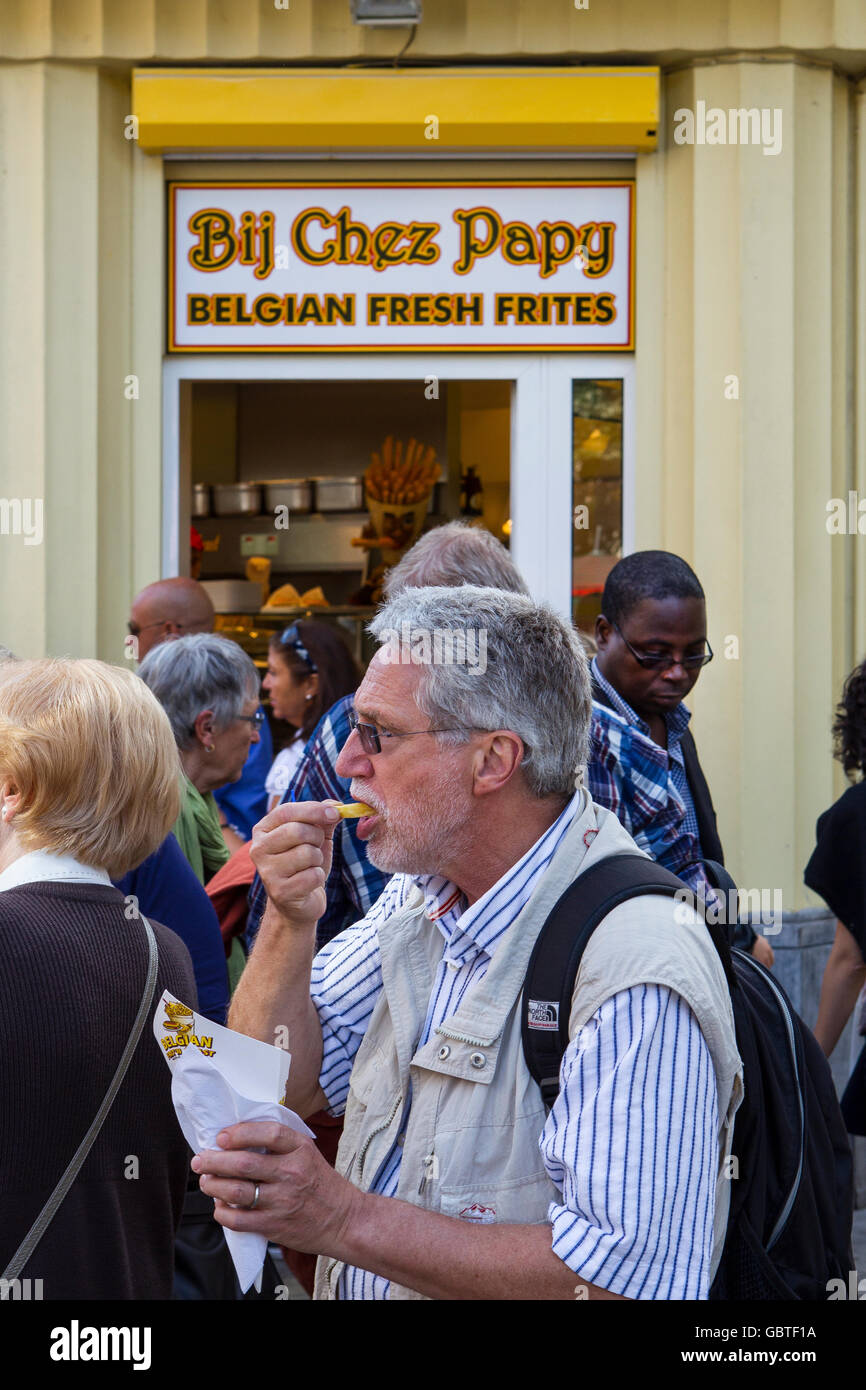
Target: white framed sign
(527, 265)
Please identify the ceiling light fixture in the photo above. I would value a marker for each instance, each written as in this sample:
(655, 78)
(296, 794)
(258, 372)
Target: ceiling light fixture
(386, 12)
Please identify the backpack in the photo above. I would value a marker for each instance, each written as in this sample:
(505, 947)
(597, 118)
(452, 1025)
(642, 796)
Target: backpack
(792, 1201)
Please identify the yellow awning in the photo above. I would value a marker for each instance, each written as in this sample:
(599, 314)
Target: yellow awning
(408, 111)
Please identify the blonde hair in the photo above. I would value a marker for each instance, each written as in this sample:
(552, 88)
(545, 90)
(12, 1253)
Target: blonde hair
(92, 754)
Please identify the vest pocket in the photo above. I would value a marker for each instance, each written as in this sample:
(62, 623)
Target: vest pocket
(520, 1201)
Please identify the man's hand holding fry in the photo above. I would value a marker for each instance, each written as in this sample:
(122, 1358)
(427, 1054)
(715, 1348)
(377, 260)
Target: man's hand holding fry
(292, 848)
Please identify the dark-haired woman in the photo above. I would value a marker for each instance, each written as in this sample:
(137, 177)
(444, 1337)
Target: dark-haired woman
(837, 870)
(309, 669)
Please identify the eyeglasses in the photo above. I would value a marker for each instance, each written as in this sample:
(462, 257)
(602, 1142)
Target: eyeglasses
(291, 637)
(658, 661)
(257, 720)
(371, 737)
(134, 630)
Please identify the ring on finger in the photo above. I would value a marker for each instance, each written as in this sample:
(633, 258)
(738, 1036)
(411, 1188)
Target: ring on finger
(254, 1203)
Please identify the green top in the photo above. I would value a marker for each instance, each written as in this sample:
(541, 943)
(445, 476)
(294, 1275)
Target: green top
(198, 833)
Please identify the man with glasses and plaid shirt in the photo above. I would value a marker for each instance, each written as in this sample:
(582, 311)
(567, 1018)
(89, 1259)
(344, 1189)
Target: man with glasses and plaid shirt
(652, 643)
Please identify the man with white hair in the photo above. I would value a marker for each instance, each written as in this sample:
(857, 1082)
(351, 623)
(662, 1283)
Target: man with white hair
(456, 553)
(451, 1180)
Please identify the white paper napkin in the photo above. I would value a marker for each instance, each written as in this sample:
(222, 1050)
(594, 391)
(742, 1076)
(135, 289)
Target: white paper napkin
(218, 1079)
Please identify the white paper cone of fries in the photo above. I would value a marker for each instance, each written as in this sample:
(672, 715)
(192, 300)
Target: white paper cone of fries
(219, 1078)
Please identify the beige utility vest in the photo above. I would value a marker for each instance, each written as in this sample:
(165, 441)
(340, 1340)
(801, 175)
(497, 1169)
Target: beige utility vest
(470, 1139)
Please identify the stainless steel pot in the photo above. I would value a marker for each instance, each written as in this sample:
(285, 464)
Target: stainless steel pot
(294, 493)
(233, 595)
(237, 499)
(339, 494)
(200, 500)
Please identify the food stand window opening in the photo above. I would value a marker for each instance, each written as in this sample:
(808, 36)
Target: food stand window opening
(302, 493)
(597, 493)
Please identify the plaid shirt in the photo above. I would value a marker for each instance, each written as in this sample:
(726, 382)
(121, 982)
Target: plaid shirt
(353, 884)
(645, 785)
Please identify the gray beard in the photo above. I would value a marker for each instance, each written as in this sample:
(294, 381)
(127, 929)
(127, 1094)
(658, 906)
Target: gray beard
(399, 860)
(425, 841)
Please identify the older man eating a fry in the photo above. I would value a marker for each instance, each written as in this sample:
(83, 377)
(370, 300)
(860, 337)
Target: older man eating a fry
(452, 1180)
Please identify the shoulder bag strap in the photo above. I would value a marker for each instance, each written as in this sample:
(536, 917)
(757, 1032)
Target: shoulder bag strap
(559, 947)
(48, 1212)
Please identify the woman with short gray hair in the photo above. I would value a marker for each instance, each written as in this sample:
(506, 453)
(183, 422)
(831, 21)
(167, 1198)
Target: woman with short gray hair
(209, 688)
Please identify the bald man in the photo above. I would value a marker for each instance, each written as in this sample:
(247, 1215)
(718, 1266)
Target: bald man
(177, 607)
(169, 608)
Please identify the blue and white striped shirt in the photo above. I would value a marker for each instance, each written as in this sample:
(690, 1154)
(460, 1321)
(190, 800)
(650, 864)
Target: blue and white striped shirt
(637, 1179)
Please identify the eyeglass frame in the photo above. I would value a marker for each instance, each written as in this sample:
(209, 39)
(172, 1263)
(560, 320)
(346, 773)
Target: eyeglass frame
(369, 733)
(135, 631)
(257, 720)
(664, 663)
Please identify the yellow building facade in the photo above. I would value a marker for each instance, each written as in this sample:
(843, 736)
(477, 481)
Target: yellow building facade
(747, 379)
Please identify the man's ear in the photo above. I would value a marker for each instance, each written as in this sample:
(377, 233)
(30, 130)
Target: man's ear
(496, 761)
(603, 631)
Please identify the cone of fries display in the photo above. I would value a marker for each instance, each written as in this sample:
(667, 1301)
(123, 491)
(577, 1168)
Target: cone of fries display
(398, 484)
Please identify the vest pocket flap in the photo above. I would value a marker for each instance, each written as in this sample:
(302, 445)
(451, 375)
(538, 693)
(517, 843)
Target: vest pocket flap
(465, 1060)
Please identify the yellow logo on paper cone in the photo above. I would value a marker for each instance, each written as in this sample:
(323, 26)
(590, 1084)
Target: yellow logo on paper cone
(180, 1022)
(177, 1014)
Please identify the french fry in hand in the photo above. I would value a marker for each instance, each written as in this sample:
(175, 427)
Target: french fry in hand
(353, 810)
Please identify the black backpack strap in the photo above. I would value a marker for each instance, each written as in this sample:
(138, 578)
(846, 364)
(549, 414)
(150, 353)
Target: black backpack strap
(559, 947)
(705, 813)
(738, 934)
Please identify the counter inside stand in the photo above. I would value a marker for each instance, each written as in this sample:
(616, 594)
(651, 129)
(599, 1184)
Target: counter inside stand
(253, 631)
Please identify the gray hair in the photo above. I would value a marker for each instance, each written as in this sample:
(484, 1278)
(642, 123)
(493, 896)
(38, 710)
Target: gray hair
(202, 671)
(535, 680)
(456, 553)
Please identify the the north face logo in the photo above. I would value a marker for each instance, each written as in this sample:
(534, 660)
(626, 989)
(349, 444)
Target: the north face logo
(483, 1215)
(543, 1014)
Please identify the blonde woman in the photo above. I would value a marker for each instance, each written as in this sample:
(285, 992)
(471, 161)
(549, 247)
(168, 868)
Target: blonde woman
(88, 789)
